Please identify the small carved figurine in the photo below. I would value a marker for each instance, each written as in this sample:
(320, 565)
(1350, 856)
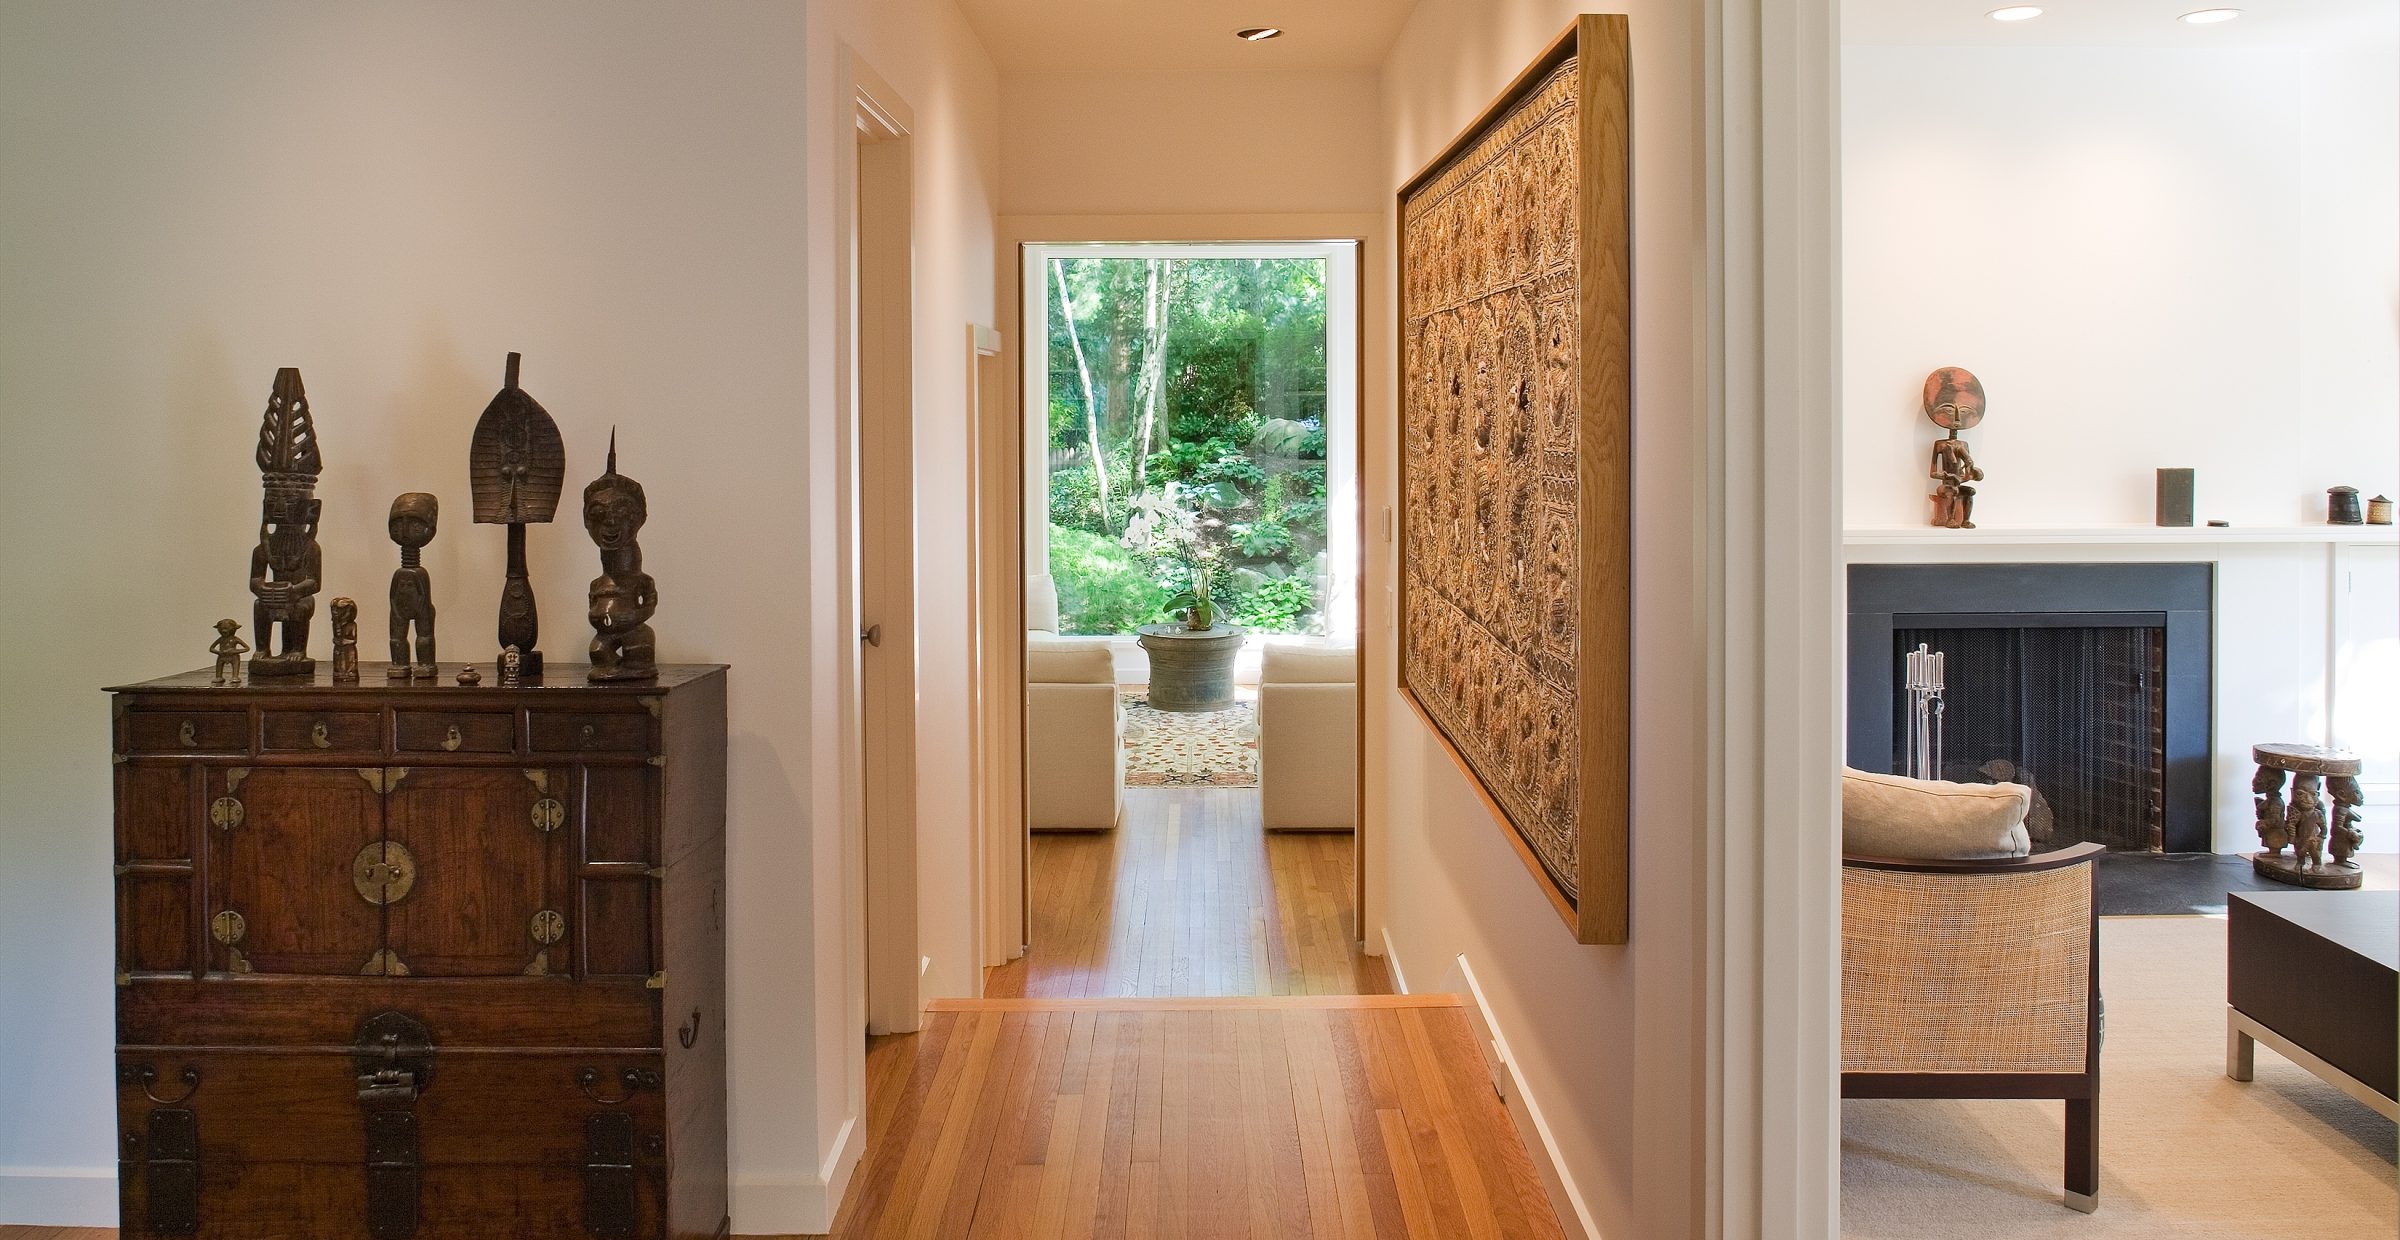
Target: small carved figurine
(512, 665)
(2272, 832)
(469, 676)
(414, 517)
(345, 641)
(623, 597)
(229, 650)
(2345, 837)
(1954, 402)
(284, 569)
(2307, 823)
(516, 466)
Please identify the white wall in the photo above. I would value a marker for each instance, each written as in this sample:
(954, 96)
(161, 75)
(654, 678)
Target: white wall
(391, 198)
(2152, 257)
(1609, 1040)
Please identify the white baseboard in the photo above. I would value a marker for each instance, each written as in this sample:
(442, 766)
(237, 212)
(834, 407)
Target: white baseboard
(1574, 1217)
(767, 1205)
(1391, 963)
(59, 1196)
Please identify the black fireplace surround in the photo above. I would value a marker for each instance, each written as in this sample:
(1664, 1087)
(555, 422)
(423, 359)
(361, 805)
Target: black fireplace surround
(2173, 599)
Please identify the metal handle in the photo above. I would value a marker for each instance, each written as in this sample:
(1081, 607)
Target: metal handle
(147, 1076)
(319, 735)
(689, 1033)
(451, 740)
(872, 635)
(635, 1079)
(588, 733)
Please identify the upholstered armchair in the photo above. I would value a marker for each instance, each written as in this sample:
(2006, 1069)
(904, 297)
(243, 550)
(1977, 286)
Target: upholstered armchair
(1977, 979)
(1074, 736)
(1308, 738)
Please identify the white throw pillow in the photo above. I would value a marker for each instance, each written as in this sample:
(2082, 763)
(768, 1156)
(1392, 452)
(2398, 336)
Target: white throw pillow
(1932, 819)
(1067, 662)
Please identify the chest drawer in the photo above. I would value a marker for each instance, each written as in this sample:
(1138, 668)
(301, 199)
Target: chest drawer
(454, 731)
(187, 731)
(312, 731)
(561, 732)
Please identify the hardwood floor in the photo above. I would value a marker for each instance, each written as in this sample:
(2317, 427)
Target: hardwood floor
(1265, 1118)
(1190, 897)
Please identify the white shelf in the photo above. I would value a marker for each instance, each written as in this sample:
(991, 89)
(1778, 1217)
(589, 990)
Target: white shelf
(1927, 536)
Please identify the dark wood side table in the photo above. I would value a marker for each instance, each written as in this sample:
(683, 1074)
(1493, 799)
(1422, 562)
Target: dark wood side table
(2316, 976)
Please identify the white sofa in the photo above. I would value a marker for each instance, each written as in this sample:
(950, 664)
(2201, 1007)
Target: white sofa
(1308, 738)
(1074, 723)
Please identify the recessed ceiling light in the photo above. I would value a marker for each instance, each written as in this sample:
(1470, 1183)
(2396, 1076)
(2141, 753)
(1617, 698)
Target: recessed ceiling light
(2015, 13)
(1258, 34)
(2209, 17)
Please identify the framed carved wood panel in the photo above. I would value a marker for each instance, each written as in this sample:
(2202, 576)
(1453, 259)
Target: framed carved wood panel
(1516, 419)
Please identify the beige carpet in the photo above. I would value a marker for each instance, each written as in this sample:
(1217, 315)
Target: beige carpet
(2184, 1152)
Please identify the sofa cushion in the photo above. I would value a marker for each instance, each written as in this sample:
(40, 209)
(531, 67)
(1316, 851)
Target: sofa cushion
(1055, 662)
(1308, 665)
(1041, 603)
(1932, 819)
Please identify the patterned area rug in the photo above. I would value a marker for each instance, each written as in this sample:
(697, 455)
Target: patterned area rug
(1218, 749)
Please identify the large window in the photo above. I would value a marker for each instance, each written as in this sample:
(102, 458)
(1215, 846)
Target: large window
(1212, 382)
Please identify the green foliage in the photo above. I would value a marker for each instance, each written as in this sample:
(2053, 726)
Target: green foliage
(1262, 539)
(1102, 587)
(1279, 605)
(1075, 499)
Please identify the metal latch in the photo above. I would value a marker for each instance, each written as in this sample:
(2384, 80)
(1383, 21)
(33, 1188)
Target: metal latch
(609, 1196)
(394, 1058)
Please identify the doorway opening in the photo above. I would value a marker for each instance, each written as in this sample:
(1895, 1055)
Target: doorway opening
(1191, 550)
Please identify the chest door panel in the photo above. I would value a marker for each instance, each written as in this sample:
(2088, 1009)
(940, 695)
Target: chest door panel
(490, 895)
(283, 842)
(155, 815)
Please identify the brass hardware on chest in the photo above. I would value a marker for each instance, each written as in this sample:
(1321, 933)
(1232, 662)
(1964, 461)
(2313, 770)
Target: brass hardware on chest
(608, 1183)
(384, 963)
(393, 1054)
(225, 813)
(383, 872)
(540, 781)
(548, 814)
(320, 734)
(188, 735)
(451, 739)
(145, 1076)
(228, 928)
(547, 928)
(689, 1032)
(634, 1080)
(383, 779)
(234, 775)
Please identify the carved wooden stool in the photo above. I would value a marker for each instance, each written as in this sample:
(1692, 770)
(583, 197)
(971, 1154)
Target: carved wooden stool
(2303, 823)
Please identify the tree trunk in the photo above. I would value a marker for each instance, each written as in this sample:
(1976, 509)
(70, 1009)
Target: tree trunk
(1083, 371)
(1154, 360)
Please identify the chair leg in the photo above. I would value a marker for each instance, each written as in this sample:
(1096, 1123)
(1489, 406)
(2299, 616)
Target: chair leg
(2083, 1154)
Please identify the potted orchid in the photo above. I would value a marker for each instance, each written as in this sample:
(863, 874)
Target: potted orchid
(1178, 529)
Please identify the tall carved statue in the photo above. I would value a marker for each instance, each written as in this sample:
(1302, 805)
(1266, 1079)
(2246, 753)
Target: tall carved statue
(1954, 402)
(516, 467)
(414, 518)
(623, 596)
(286, 566)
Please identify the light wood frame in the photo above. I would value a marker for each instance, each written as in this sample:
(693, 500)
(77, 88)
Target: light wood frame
(1600, 909)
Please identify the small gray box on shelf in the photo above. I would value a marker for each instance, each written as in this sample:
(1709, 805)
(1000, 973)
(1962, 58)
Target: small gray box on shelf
(2175, 497)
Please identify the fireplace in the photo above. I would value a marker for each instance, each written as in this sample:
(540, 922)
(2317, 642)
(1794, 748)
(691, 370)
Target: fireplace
(2087, 682)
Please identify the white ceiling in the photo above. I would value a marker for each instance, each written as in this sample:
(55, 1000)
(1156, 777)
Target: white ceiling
(1169, 35)
(2116, 23)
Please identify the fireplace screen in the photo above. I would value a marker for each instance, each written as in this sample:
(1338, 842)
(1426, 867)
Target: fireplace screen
(2076, 713)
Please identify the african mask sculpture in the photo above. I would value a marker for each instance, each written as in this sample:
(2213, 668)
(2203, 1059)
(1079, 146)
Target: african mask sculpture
(286, 566)
(623, 596)
(414, 518)
(516, 467)
(1954, 402)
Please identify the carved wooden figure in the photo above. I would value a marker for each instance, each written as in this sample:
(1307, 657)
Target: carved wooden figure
(623, 597)
(414, 519)
(516, 467)
(1954, 401)
(2267, 783)
(2344, 837)
(229, 650)
(286, 566)
(345, 641)
(2306, 821)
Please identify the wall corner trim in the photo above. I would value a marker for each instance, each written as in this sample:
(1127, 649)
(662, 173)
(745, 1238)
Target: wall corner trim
(1391, 964)
(1566, 1201)
(768, 1204)
(59, 1196)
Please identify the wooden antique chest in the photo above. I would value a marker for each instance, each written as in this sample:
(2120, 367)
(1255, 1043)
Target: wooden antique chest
(421, 960)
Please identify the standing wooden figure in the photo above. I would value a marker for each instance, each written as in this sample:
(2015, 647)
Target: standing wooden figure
(345, 641)
(229, 650)
(414, 518)
(285, 567)
(623, 597)
(516, 468)
(1954, 402)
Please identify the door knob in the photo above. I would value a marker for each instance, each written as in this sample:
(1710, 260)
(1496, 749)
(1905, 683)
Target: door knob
(872, 635)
